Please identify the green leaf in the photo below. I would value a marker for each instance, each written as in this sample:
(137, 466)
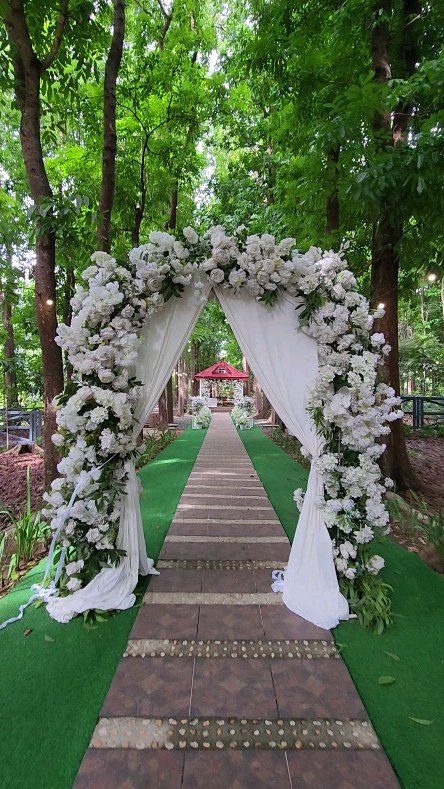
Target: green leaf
(421, 721)
(48, 638)
(392, 655)
(386, 680)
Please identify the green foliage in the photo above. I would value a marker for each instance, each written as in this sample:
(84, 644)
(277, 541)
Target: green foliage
(369, 598)
(154, 443)
(290, 445)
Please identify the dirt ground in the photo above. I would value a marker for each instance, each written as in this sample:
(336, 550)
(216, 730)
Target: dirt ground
(13, 482)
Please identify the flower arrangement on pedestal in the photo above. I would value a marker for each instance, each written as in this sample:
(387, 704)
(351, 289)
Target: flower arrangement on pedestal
(242, 413)
(198, 406)
(203, 417)
(349, 407)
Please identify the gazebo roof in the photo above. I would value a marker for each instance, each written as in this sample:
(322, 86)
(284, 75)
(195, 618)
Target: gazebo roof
(222, 371)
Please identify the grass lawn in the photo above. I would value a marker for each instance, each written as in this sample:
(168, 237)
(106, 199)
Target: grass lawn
(412, 651)
(53, 681)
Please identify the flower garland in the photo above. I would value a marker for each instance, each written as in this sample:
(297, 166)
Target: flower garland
(350, 409)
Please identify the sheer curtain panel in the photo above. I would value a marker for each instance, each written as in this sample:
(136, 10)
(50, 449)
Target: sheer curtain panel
(163, 340)
(285, 362)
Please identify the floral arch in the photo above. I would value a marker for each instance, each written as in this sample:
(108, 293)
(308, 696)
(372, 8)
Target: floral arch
(300, 321)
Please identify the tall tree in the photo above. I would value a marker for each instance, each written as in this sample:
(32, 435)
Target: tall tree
(390, 129)
(109, 127)
(28, 70)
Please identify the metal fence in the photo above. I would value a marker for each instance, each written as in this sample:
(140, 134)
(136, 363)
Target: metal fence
(423, 410)
(20, 427)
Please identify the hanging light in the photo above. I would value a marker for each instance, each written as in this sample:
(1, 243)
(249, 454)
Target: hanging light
(431, 277)
(49, 302)
(381, 305)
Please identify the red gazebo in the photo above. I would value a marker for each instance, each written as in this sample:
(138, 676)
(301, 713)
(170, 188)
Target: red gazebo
(220, 371)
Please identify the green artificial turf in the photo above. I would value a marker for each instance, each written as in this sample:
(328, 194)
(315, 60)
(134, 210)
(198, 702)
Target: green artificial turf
(53, 681)
(411, 651)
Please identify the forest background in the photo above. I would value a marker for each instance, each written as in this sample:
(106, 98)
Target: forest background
(317, 119)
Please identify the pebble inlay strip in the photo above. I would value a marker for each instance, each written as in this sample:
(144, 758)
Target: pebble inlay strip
(220, 564)
(237, 508)
(221, 496)
(205, 538)
(296, 649)
(250, 522)
(213, 598)
(234, 734)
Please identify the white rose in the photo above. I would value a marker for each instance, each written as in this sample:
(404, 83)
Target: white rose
(106, 376)
(377, 340)
(74, 567)
(74, 584)
(190, 235)
(217, 275)
(262, 277)
(253, 287)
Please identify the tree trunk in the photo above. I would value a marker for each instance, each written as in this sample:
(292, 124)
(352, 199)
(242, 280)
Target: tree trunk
(333, 194)
(387, 235)
(181, 387)
(169, 401)
(172, 216)
(27, 73)
(163, 415)
(109, 128)
(45, 285)
(70, 284)
(246, 370)
(11, 393)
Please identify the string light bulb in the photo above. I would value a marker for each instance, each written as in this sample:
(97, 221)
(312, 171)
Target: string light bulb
(49, 302)
(431, 277)
(381, 305)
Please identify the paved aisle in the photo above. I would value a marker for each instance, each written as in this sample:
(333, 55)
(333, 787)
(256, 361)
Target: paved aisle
(220, 685)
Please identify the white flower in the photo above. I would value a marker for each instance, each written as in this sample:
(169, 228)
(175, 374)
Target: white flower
(190, 235)
(74, 567)
(298, 497)
(217, 275)
(74, 584)
(347, 550)
(375, 564)
(57, 439)
(252, 287)
(363, 535)
(341, 564)
(93, 535)
(377, 340)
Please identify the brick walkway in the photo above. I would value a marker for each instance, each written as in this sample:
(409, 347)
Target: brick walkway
(221, 685)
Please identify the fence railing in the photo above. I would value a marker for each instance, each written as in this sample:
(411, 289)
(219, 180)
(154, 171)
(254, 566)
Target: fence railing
(20, 427)
(424, 408)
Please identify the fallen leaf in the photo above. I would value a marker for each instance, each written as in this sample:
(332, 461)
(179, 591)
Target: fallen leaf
(27, 632)
(386, 680)
(422, 721)
(392, 655)
(48, 638)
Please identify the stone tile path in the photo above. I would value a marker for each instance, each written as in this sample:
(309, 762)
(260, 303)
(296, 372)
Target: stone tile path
(220, 685)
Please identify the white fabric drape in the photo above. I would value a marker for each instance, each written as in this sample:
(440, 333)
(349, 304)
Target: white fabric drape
(163, 339)
(285, 362)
